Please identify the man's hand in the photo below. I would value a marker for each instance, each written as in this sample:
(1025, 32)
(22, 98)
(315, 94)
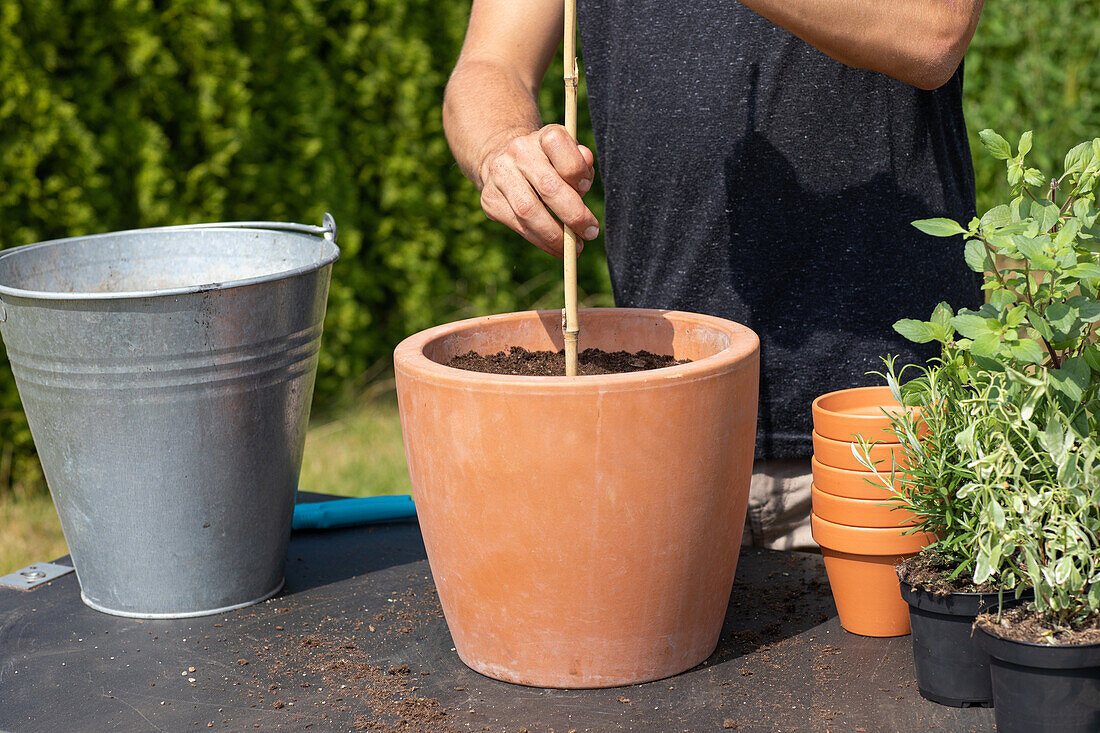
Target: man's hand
(527, 173)
(536, 174)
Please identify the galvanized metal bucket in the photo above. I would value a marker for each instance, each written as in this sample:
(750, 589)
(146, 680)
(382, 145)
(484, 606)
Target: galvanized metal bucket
(167, 376)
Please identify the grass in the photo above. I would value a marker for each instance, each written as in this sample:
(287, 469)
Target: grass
(358, 453)
(30, 532)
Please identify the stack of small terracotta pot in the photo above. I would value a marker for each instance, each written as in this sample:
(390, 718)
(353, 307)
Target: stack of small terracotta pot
(856, 519)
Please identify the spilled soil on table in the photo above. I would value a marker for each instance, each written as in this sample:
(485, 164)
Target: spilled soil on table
(324, 670)
(520, 361)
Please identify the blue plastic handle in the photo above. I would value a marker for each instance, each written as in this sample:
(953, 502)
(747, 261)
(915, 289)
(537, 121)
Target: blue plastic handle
(353, 512)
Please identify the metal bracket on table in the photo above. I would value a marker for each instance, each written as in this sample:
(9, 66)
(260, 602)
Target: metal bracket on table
(32, 576)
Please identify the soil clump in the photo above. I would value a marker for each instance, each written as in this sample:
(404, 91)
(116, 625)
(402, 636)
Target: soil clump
(519, 361)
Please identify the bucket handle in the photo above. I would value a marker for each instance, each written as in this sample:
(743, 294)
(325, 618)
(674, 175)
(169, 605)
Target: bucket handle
(326, 230)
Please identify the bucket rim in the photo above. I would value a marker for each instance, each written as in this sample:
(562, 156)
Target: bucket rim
(329, 256)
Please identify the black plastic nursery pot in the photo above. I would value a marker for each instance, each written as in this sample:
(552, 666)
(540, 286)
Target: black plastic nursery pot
(952, 668)
(1041, 688)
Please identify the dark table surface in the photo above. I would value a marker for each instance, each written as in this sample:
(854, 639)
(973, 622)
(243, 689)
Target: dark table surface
(357, 641)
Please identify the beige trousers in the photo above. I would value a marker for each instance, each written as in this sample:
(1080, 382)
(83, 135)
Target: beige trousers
(779, 505)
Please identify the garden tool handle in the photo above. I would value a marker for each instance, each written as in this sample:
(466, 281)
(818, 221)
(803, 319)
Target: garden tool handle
(353, 512)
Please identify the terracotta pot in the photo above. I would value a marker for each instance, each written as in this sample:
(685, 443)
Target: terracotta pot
(860, 563)
(859, 512)
(838, 454)
(844, 414)
(582, 531)
(850, 484)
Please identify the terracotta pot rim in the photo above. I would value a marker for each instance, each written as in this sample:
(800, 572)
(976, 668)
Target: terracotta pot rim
(409, 355)
(884, 444)
(822, 403)
(893, 499)
(850, 474)
(842, 425)
(868, 541)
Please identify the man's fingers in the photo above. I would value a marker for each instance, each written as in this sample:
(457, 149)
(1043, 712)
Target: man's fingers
(559, 195)
(566, 157)
(589, 158)
(534, 222)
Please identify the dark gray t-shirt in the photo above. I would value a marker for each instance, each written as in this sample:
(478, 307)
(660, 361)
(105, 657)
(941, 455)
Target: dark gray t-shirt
(750, 176)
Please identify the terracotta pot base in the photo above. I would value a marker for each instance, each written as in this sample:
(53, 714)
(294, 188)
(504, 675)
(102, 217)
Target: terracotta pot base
(860, 564)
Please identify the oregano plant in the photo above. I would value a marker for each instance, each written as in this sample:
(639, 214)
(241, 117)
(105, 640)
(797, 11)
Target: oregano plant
(1008, 473)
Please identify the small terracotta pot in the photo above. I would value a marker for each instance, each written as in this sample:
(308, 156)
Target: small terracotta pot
(860, 563)
(844, 414)
(859, 512)
(838, 454)
(582, 531)
(849, 484)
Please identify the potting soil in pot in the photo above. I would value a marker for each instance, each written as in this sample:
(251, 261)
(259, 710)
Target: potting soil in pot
(552, 364)
(1020, 624)
(932, 573)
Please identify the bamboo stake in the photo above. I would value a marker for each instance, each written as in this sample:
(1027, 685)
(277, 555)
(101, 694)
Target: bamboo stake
(570, 327)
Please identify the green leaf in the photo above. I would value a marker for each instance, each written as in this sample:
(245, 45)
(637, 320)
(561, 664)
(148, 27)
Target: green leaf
(1085, 270)
(1015, 173)
(986, 345)
(1067, 233)
(1028, 350)
(939, 227)
(996, 218)
(1051, 438)
(997, 146)
(1062, 569)
(1015, 316)
(975, 255)
(1072, 379)
(1001, 299)
(1088, 309)
(997, 514)
(1062, 318)
(915, 330)
(1025, 143)
(1034, 250)
(1040, 325)
(1077, 157)
(1034, 177)
(1033, 572)
(964, 439)
(1092, 358)
(972, 325)
(942, 314)
(1046, 213)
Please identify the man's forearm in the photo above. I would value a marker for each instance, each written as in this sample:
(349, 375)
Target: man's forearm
(485, 106)
(920, 42)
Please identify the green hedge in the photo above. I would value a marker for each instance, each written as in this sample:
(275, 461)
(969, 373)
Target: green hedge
(1033, 65)
(118, 114)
